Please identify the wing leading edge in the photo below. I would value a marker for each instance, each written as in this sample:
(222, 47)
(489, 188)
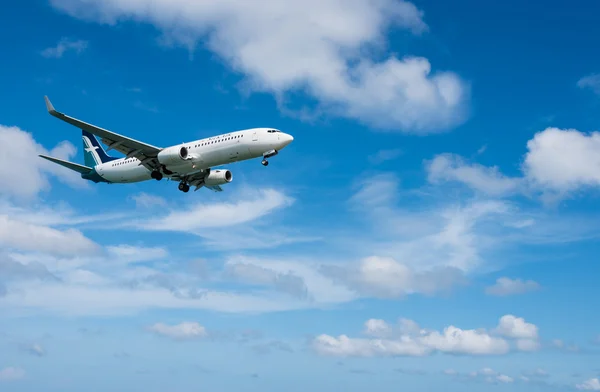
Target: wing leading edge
(146, 153)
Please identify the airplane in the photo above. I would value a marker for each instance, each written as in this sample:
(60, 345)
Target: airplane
(192, 164)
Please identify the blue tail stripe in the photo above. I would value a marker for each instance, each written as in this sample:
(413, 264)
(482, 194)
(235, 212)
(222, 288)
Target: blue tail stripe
(94, 152)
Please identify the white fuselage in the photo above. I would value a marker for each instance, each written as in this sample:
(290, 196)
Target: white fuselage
(201, 154)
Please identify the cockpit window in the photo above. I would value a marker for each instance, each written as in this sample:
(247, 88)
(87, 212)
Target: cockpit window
(273, 131)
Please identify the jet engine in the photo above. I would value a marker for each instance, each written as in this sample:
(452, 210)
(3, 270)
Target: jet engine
(173, 156)
(218, 177)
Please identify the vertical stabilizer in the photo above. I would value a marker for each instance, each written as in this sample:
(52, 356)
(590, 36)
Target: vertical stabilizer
(93, 152)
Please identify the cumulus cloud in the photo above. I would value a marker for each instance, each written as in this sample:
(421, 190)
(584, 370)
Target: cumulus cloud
(412, 341)
(183, 331)
(557, 163)
(407, 338)
(563, 160)
(11, 374)
(517, 328)
(322, 48)
(63, 46)
(32, 177)
(506, 286)
(526, 334)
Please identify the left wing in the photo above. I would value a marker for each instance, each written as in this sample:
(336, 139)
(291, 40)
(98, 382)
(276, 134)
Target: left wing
(146, 153)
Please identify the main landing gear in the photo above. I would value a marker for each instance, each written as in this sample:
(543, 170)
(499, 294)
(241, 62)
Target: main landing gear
(157, 175)
(184, 187)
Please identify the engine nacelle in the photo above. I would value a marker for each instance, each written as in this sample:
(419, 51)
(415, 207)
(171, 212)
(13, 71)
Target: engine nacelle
(218, 177)
(173, 156)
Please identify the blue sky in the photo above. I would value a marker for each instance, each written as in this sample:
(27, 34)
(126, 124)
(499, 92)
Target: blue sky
(433, 224)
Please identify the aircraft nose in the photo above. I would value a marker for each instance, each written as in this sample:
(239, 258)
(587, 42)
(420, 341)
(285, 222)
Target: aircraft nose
(287, 139)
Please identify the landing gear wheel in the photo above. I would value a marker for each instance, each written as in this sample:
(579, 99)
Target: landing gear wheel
(184, 187)
(265, 162)
(157, 175)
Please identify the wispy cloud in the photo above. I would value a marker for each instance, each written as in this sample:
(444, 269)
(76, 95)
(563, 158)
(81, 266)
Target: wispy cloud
(384, 155)
(591, 82)
(11, 374)
(505, 286)
(63, 46)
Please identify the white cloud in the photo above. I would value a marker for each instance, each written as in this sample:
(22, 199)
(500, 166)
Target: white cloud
(528, 344)
(563, 160)
(591, 81)
(488, 180)
(286, 282)
(386, 278)
(384, 155)
(133, 254)
(145, 200)
(30, 237)
(63, 46)
(377, 328)
(250, 206)
(593, 384)
(408, 339)
(505, 286)
(557, 163)
(424, 238)
(561, 345)
(31, 178)
(35, 349)
(183, 331)
(504, 379)
(11, 374)
(321, 49)
(517, 328)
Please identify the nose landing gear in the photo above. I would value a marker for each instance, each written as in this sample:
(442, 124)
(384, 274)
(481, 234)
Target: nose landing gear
(268, 154)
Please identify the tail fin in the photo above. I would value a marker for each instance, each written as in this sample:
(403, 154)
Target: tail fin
(93, 152)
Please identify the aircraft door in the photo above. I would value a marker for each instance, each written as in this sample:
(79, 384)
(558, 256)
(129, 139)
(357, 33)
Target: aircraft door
(254, 137)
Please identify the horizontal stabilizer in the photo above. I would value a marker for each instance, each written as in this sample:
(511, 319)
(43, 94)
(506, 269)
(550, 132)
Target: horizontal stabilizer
(70, 165)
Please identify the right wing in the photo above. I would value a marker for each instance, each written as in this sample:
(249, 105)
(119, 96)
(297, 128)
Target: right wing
(146, 153)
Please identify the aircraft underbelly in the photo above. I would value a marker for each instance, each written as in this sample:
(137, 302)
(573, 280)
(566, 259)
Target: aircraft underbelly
(136, 174)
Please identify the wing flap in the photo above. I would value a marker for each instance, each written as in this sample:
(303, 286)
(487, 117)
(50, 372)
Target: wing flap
(216, 188)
